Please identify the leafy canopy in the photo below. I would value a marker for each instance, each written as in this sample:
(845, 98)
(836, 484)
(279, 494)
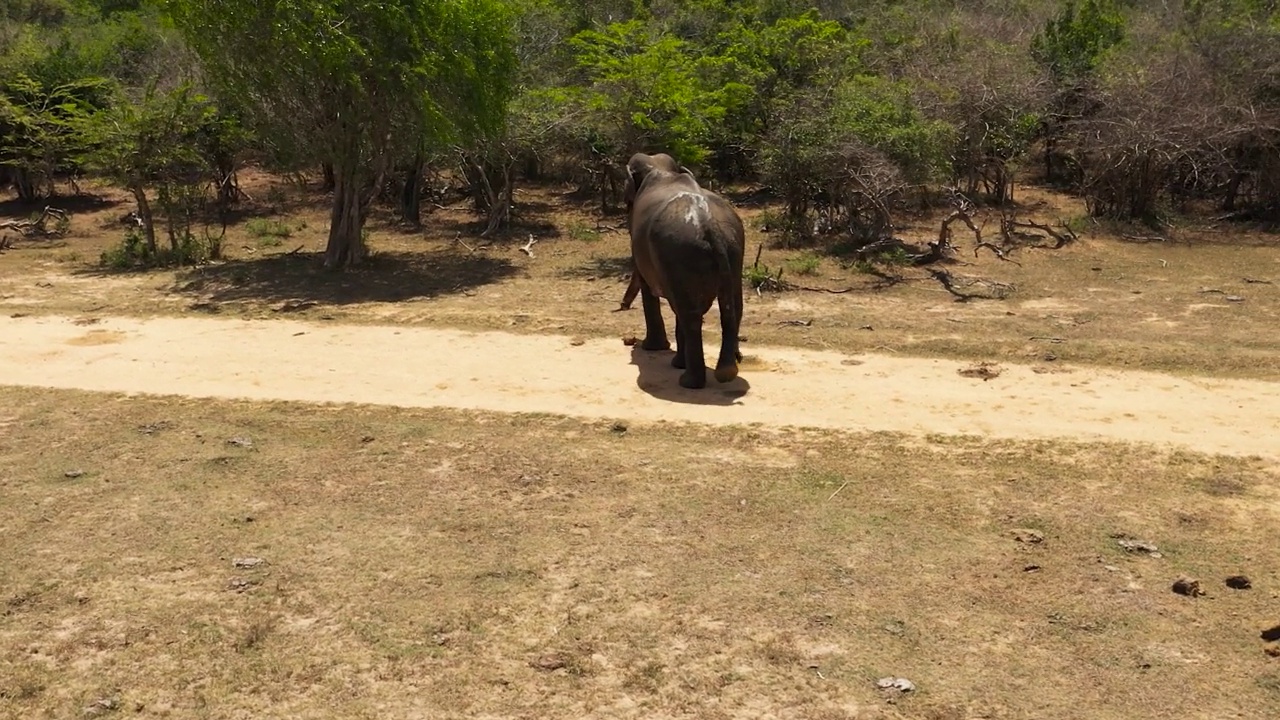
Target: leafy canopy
(351, 80)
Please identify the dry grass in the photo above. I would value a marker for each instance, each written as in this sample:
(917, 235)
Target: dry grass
(1104, 301)
(439, 564)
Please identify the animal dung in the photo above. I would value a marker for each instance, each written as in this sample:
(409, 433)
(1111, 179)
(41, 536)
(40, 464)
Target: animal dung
(1188, 587)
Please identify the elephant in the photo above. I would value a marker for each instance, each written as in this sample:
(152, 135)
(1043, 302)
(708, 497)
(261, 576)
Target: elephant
(687, 247)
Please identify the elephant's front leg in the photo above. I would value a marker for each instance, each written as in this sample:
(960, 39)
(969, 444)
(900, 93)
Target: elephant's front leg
(689, 351)
(655, 332)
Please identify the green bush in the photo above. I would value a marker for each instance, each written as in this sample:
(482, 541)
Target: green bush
(133, 252)
(265, 229)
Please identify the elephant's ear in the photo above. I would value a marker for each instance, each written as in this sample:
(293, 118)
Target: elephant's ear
(630, 188)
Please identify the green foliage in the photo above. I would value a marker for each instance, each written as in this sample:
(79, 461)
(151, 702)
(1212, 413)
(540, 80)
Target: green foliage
(759, 277)
(39, 127)
(357, 83)
(804, 264)
(582, 232)
(268, 232)
(135, 253)
(158, 138)
(652, 89)
(882, 114)
(1071, 44)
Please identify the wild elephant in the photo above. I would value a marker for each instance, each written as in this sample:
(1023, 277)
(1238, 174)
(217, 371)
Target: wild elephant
(687, 245)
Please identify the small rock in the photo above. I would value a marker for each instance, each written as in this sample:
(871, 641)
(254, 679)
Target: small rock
(240, 584)
(550, 662)
(1239, 582)
(366, 439)
(1187, 586)
(850, 361)
(577, 341)
(1031, 568)
(73, 473)
(103, 706)
(630, 340)
(247, 563)
(1272, 650)
(1030, 537)
(1134, 545)
(896, 683)
(1271, 634)
(243, 442)
(619, 427)
(1234, 298)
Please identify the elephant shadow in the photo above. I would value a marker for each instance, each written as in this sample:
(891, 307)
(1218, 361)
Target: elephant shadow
(659, 379)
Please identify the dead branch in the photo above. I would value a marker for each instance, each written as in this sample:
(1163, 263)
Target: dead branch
(1144, 238)
(825, 290)
(527, 248)
(952, 284)
(1012, 238)
(1255, 281)
(39, 226)
(295, 251)
(944, 232)
(999, 253)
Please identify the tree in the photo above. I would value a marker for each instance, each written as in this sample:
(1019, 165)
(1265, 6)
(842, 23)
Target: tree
(37, 128)
(356, 83)
(159, 141)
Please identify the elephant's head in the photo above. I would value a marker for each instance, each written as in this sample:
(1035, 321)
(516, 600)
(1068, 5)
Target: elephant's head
(642, 166)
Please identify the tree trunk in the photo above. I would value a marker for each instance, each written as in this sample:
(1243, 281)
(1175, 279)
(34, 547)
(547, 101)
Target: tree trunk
(26, 185)
(144, 214)
(346, 221)
(411, 193)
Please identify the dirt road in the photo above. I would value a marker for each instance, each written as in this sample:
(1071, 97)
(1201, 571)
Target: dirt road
(426, 367)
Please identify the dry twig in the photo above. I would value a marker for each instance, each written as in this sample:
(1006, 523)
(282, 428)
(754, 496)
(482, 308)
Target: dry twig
(527, 248)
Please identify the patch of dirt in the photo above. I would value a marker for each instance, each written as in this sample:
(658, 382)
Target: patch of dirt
(423, 367)
(543, 566)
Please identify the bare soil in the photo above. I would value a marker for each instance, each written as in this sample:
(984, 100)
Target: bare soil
(442, 486)
(507, 372)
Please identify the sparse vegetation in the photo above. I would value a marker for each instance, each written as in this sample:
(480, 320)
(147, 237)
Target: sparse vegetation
(804, 264)
(554, 567)
(268, 232)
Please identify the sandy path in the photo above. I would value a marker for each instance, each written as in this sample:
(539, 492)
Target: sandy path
(427, 367)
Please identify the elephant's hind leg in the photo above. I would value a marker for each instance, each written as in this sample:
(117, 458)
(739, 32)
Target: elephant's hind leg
(655, 332)
(730, 322)
(689, 326)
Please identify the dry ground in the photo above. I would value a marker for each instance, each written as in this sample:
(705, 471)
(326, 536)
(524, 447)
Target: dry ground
(440, 564)
(1104, 301)
(447, 563)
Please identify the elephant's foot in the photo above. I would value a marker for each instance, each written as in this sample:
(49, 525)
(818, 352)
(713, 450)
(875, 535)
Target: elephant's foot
(653, 344)
(725, 373)
(677, 361)
(693, 380)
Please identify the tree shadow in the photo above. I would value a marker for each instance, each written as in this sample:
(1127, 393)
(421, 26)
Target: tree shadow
(74, 204)
(600, 267)
(383, 277)
(658, 379)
